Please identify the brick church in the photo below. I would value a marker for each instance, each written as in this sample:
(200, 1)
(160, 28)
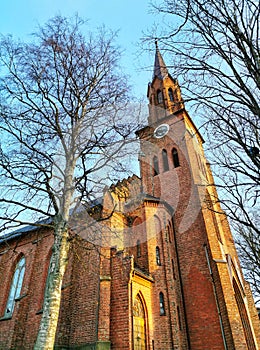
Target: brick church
(160, 273)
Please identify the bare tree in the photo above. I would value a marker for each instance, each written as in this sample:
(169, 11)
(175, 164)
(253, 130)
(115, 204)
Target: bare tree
(64, 128)
(249, 249)
(215, 50)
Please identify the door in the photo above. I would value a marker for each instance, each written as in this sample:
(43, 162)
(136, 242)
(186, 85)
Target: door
(139, 325)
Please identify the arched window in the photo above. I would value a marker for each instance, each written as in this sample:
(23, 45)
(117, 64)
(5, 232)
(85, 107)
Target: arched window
(165, 160)
(175, 158)
(16, 287)
(157, 225)
(138, 248)
(170, 93)
(162, 308)
(155, 166)
(244, 317)
(169, 234)
(173, 270)
(139, 325)
(158, 258)
(159, 96)
(179, 318)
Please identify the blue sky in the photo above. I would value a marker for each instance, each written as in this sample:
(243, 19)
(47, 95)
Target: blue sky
(132, 18)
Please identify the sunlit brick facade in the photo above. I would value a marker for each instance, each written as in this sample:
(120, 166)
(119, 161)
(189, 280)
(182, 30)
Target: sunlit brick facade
(160, 273)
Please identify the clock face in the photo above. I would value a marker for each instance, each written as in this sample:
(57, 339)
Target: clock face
(161, 130)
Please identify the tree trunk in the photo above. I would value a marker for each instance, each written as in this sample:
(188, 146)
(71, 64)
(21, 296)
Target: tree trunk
(46, 335)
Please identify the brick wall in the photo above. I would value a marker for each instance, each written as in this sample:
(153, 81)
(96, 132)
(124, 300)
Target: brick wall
(79, 292)
(120, 321)
(20, 331)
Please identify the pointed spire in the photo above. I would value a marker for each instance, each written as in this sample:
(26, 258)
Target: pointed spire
(160, 70)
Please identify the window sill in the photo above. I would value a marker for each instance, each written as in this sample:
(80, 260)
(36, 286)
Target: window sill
(20, 297)
(5, 318)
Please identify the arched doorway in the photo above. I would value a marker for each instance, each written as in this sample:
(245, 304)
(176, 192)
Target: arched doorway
(139, 325)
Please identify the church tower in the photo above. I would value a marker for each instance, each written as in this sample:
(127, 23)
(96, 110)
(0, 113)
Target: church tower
(218, 306)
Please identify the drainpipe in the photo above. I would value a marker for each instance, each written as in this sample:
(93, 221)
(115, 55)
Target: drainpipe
(216, 298)
(130, 289)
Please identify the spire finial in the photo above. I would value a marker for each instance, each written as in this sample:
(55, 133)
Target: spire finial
(160, 69)
(156, 44)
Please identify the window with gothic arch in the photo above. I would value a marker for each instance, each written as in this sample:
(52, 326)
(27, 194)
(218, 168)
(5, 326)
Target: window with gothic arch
(173, 270)
(170, 93)
(158, 258)
(159, 96)
(175, 158)
(16, 286)
(138, 248)
(162, 306)
(155, 166)
(165, 160)
(244, 317)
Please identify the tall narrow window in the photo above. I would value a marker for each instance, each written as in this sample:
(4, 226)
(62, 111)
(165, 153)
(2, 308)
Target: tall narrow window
(138, 248)
(175, 158)
(158, 258)
(179, 318)
(173, 270)
(162, 308)
(244, 317)
(159, 96)
(155, 166)
(169, 233)
(165, 160)
(16, 287)
(170, 93)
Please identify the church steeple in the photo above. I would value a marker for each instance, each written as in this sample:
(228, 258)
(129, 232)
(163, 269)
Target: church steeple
(163, 92)
(160, 70)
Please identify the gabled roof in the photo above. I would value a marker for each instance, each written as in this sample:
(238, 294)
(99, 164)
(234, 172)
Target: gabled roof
(24, 229)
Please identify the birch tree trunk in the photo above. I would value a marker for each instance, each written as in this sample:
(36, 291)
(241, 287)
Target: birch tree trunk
(60, 251)
(46, 335)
